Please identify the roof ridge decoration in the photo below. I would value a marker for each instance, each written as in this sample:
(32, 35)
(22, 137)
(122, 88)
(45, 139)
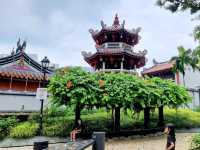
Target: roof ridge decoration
(116, 21)
(20, 47)
(155, 62)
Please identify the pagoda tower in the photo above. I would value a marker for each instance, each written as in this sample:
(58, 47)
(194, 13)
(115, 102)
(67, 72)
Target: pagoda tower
(114, 45)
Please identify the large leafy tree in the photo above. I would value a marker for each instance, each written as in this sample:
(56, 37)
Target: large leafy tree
(75, 87)
(196, 58)
(146, 95)
(117, 93)
(171, 94)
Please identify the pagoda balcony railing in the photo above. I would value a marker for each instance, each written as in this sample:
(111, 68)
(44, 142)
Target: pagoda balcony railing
(115, 45)
(132, 71)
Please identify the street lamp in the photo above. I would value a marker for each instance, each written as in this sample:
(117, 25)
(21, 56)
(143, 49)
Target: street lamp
(45, 65)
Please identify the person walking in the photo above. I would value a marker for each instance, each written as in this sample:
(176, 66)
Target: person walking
(171, 138)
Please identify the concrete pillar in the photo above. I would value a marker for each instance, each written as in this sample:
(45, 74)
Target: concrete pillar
(135, 68)
(122, 64)
(99, 138)
(104, 65)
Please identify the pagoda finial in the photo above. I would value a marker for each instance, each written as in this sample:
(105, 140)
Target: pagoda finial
(116, 20)
(103, 24)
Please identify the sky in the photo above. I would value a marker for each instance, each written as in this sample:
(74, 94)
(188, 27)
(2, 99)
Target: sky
(59, 29)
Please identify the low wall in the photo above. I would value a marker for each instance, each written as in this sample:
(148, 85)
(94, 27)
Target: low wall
(19, 102)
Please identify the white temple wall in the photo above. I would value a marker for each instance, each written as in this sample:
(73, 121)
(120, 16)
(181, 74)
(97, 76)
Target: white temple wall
(192, 83)
(19, 103)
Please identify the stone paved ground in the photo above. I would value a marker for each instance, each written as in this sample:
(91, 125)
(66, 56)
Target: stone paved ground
(145, 143)
(151, 143)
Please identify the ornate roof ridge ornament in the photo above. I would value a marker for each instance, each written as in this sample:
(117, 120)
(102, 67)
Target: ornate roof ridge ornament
(24, 45)
(123, 24)
(86, 54)
(20, 47)
(136, 31)
(103, 25)
(13, 51)
(155, 62)
(93, 32)
(116, 20)
(144, 52)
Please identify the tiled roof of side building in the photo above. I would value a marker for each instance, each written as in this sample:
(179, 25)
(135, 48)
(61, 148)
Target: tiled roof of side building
(20, 65)
(22, 72)
(158, 67)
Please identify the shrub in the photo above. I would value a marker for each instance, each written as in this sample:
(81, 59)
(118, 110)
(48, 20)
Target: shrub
(98, 124)
(182, 118)
(197, 109)
(57, 130)
(101, 120)
(60, 127)
(34, 117)
(195, 145)
(24, 130)
(5, 125)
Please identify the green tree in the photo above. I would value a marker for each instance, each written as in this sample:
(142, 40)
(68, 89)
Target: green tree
(171, 94)
(180, 5)
(74, 87)
(184, 58)
(117, 93)
(196, 58)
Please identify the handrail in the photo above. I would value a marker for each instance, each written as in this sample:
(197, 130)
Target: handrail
(132, 71)
(114, 45)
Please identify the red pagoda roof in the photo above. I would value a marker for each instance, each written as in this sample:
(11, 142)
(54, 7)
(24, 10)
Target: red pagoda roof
(139, 57)
(116, 32)
(158, 67)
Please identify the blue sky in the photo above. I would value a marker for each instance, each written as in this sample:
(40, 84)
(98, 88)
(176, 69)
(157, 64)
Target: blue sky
(59, 29)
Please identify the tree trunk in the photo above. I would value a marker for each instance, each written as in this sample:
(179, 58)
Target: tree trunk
(146, 117)
(160, 116)
(117, 119)
(183, 80)
(113, 119)
(77, 114)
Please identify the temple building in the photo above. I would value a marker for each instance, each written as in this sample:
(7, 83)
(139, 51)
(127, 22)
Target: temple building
(115, 49)
(20, 76)
(191, 79)
(161, 69)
